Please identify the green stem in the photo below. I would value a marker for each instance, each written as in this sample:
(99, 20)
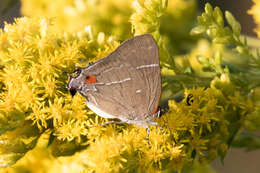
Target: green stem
(188, 80)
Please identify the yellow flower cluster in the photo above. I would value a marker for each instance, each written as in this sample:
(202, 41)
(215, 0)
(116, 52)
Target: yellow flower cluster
(204, 119)
(38, 114)
(109, 16)
(115, 17)
(35, 62)
(255, 12)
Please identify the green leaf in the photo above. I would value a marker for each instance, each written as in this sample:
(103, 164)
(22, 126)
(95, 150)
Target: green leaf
(208, 8)
(14, 149)
(222, 40)
(188, 70)
(198, 30)
(240, 49)
(8, 159)
(203, 60)
(200, 20)
(233, 23)
(65, 148)
(248, 141)
(218, 15)
(164, 4)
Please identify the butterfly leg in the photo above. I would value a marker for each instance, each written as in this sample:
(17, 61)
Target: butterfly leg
(148, 134)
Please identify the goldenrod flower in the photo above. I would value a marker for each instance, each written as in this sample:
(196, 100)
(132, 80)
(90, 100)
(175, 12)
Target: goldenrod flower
(218, 98)
(255, 12)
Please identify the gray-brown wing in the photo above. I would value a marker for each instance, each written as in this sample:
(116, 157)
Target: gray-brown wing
(128, 80)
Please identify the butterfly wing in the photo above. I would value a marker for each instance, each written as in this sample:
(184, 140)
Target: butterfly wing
(128, 81)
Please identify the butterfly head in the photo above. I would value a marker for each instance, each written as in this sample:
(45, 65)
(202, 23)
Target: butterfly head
(73, 82)
(81, 81)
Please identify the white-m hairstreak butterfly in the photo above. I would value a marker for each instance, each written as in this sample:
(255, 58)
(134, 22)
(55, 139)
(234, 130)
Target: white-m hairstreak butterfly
(125, 85)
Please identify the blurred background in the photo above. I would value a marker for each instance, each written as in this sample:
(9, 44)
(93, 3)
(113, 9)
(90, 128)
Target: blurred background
(237, 160)
(11, 8)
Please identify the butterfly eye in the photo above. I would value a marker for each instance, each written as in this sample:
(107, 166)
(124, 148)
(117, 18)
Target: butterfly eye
(190, 99)
(76, 73)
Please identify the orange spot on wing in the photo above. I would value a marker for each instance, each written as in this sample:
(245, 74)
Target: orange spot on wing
(91, 79)
(155, 109)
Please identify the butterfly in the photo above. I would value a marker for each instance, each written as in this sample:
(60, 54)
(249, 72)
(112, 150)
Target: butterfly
(124, 85)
